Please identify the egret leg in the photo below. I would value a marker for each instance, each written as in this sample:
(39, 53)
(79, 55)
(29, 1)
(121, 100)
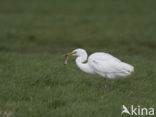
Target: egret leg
(107, 84)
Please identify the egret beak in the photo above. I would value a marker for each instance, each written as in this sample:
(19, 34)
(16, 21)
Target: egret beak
(69, 54)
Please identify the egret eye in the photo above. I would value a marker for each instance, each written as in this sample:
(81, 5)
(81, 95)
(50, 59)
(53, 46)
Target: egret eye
(74, 52)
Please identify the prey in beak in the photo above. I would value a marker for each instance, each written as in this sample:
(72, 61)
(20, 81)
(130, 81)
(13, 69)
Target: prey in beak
(66, 57)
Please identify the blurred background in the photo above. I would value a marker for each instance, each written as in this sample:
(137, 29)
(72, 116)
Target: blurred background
(34, 34)
(57, 26)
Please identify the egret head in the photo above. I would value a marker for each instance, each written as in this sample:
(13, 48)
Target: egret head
(77, 52)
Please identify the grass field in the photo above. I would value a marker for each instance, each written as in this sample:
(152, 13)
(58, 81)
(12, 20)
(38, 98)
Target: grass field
(35, 33)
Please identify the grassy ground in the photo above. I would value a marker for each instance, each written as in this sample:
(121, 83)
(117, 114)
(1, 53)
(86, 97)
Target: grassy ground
(35, 34)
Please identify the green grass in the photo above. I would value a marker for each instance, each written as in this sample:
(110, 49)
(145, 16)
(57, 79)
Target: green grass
(34, 35)
(40, 85)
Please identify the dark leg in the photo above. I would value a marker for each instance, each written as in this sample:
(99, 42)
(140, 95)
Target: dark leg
(107, 85)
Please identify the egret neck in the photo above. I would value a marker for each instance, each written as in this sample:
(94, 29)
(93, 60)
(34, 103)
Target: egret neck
(84, 66)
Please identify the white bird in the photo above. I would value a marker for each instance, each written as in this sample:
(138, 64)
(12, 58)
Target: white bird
(102, 64)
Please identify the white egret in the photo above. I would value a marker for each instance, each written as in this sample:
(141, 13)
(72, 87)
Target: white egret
(101, 63)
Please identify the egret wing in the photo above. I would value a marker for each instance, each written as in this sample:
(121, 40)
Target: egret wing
(103, 56)
(110, 68)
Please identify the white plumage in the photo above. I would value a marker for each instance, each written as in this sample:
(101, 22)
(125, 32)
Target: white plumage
(102, 64)
(108, 66)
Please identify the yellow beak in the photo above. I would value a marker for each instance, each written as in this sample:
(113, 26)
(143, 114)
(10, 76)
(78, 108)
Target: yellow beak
(69, 54)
